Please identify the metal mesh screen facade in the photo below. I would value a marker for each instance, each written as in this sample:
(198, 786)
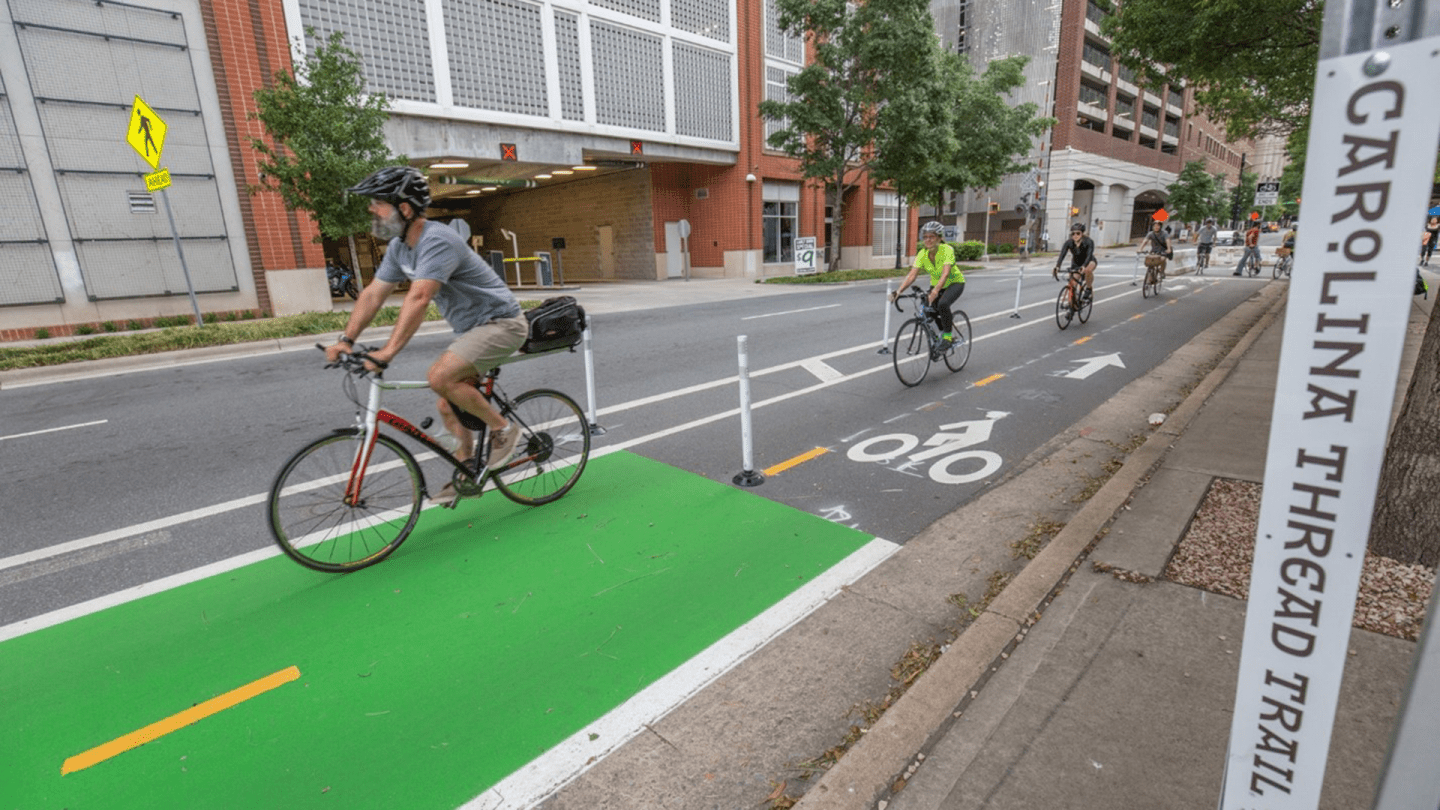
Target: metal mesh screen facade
(702, 92)
(567, 51)
(497, 55)
(708, 18)
(628, 77)
(644, 9)
(27, 267)
(391, 37)
(778, 44)
(86, 62)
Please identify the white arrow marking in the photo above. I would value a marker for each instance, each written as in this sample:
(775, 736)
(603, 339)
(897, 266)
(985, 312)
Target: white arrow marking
(1094, 364)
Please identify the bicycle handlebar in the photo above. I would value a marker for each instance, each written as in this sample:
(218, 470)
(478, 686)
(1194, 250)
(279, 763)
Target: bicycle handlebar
(913, 293)
(354, 361)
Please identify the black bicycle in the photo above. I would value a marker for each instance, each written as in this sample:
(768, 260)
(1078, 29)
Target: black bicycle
(349, 499)
(1202, 258)
(919, 342)
(1075, 299)
(1250, 263)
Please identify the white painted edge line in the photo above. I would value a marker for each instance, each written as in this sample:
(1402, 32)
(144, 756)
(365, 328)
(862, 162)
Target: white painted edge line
(65, 614)
(574, 755)
(788, 312)
(54, 429)
(822, 370)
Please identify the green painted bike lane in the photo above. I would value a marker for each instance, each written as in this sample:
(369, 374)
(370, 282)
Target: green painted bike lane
(493, 635)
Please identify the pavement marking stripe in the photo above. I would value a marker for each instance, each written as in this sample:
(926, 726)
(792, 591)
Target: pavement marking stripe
(988, 380)
(789, 312)
(1085, 339)
(54, 429)
(560, 765)
(822, 370)
(796, 461)
(194, 714)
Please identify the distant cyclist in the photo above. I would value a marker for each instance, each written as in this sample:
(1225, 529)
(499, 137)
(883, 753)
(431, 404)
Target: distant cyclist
(946, 281)
(1082, 256)
(1157, 245)
(1252, 249)
(1205, 242)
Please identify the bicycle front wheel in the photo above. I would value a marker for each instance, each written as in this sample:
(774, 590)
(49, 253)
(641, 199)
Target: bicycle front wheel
(959, 352)
(1063, 311)
(554, 447)
(1087, 300)
(325, 520)
(911, 353)
(1151, 286)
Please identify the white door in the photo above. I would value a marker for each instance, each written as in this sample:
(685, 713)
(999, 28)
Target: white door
(674, 259)
(605, 235)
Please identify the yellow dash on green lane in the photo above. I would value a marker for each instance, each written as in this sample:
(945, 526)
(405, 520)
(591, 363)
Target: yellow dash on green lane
(1085, 339)
(1137, 317)
(194, 714)
(988, 380)
(800, 459)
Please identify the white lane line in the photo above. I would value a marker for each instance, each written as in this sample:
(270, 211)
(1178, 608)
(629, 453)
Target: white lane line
(789, 312)
(239, 503)
(54, 429)
(823, 371)
(557, 767)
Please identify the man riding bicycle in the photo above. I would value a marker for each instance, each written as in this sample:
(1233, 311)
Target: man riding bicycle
(474, 300)
(1157, 245)
(1082, 257)
(1205, 242)
(946, 281)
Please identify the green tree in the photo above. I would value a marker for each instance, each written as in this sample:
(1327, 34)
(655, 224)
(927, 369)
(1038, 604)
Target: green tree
(991, 133)
(871, 62)
(1192, 195)
(325, 135)
(1242, 197)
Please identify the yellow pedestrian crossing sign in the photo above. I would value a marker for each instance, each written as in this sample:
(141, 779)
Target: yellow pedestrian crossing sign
(147, 132)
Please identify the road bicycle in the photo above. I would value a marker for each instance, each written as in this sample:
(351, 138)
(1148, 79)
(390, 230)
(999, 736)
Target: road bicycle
(1282, 265)
(1074, 301)
(918, 343)
(347, 500)
(1202, 258)
(1250, 262)
(1151, 285)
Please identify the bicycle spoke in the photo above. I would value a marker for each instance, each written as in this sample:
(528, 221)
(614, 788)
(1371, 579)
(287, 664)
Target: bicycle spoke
(554, 448)
(911, 353)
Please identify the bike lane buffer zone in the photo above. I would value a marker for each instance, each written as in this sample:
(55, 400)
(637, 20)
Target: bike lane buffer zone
(494, 634)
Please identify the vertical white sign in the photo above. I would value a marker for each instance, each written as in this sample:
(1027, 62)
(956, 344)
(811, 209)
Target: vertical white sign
(804, 255)
(1368, 171)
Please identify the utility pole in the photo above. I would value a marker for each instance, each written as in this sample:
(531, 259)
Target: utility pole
(1235, 201)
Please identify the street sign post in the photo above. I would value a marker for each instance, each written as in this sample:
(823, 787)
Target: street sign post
(1267, 193)
(146, 135)
(1368, 168)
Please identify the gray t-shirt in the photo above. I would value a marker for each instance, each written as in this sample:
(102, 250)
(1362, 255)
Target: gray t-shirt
(1207, 235)
(470, 292)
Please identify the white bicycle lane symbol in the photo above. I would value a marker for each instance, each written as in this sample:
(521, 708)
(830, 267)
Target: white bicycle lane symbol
(952, 462)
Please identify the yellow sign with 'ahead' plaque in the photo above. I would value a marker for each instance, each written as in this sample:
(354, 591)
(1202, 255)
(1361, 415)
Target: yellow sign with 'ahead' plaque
(158, 180)
(147, 133)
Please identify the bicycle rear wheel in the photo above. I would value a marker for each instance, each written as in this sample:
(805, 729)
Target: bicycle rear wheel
(1151, 285)
(319, 526)
(1063, 311)
(959, 352)
(911, 353)
(554, 448)
(1087, 300)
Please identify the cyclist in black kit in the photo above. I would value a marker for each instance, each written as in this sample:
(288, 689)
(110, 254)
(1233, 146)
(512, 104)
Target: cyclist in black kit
(1082, 252)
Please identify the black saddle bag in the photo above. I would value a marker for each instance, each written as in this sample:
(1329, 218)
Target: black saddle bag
(556, 324)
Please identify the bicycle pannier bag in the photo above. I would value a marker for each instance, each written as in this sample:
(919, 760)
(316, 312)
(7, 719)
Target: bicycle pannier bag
(555, 324)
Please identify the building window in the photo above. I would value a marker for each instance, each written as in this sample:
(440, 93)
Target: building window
(779, 221)
(1095, 55)
(889, 214)
(1150, 117)
(1093, 95)
(1176, 95)
(1125, 74)
(1094, 13)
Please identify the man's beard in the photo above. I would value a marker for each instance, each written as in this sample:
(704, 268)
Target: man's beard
(387, 228)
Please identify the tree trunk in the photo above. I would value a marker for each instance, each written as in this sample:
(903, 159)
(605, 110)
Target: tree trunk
(837, 221)
(899, 206)
(355, 264)
(1407, 503)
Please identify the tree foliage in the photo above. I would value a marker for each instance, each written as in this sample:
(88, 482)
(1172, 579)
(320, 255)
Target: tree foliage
(1192, 195)
(1252, 67)
(325, 135)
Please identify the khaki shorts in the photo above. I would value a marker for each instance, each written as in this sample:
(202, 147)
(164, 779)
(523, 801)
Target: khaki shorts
(489, 343)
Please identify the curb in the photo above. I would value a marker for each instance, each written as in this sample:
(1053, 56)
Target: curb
(87, 369)
(924, 713)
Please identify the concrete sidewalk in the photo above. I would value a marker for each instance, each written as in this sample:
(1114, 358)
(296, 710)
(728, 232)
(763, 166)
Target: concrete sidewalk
(1121, 693)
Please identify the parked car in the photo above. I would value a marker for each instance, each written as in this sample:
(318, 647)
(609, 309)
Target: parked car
(1228, 237)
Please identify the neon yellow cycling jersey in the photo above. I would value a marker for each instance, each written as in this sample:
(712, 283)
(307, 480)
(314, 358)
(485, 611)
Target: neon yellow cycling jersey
(944, 254)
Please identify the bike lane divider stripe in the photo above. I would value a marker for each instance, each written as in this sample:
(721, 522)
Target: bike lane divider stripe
(823, 371)
(54, 429)
(992, 378)
(796, 461)
(177, 721)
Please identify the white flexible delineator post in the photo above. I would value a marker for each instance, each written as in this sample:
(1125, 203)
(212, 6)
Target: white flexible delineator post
(747, 477)
(885, 333)
(589, 352)
(1019, 281)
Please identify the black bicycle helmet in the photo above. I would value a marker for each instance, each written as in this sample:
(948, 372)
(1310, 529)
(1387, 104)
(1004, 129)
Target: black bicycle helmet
(1079, 226)
(394, 185)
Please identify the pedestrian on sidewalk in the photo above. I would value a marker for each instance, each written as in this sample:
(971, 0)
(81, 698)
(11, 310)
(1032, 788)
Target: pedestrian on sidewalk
(1428, 240)
(1252, 248)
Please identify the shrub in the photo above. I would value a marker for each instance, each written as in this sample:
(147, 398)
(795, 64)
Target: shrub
(84, 329)
(134, 325)
(247, 315)
(110, 326)
(969, 251)
(42, 333)
(1002, 249)
(211, 317)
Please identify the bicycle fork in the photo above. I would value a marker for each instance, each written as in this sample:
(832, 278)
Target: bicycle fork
(371, 424)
